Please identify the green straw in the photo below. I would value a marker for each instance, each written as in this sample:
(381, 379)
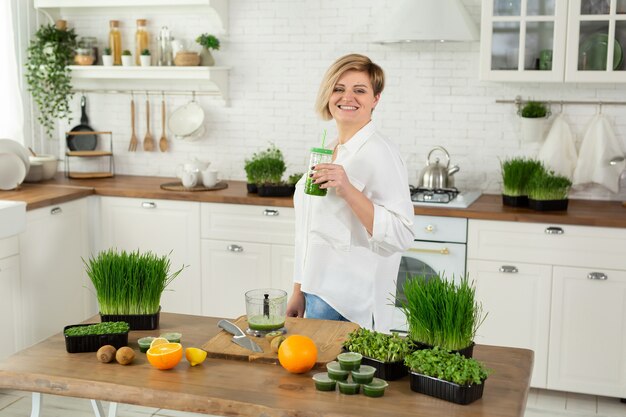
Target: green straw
(323, 138)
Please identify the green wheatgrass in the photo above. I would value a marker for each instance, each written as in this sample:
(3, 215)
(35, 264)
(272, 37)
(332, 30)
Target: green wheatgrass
(548, 186)
(516, 172)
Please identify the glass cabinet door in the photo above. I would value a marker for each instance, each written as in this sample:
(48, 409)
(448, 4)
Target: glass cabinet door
(525, 40)
(596, 41)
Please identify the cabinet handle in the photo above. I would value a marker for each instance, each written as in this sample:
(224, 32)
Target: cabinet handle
(430, 228)
(600, 276)
(270, 212)
(554, 231)
(56, 210)
(148, 205)
(234, 248)
(509, 269)
(442, 251)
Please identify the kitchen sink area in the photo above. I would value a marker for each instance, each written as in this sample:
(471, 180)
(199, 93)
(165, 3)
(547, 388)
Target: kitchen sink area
(12, 218)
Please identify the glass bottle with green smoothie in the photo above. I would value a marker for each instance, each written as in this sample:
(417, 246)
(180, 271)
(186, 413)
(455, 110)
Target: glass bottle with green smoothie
(318, 156)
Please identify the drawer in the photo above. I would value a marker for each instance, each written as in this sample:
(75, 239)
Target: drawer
(440, 229)
(551, 244)
(263, 224)
(9, 246)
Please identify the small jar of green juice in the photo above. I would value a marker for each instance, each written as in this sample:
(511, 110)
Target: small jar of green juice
(318, 156)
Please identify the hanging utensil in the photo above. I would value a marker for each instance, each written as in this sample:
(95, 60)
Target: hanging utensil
(148, 141)
(132, 146)
(163, 140)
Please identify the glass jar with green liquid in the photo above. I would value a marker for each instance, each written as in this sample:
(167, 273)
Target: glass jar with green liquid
(318, 156)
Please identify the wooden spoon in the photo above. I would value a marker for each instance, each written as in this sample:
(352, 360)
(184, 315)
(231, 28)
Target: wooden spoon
(148, 141)
(163, 140)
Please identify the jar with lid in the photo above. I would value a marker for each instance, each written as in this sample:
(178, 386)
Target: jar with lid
(318, 156)
(142, 39)
(87, 46)
(115, 42)
(164, 47)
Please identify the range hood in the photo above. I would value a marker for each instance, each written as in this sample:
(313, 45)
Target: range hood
(426, 20)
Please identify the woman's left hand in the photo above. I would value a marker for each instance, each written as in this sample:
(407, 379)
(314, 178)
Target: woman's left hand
(332, 176)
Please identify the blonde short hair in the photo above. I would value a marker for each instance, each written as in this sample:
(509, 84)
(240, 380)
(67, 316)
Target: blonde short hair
(351, 62)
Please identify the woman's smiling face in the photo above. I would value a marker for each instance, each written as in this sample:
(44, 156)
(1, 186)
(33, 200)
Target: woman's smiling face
(353, 100)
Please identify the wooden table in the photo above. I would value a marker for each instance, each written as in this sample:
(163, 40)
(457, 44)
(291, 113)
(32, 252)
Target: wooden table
(238, 388)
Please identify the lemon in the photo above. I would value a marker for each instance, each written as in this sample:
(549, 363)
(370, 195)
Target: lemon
(195, 356)
(158, 341)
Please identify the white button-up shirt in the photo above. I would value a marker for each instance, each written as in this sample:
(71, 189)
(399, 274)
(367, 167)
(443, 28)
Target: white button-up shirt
(335, 257)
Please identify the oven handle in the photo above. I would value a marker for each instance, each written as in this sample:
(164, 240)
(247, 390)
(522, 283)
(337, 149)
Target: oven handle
(442, 251)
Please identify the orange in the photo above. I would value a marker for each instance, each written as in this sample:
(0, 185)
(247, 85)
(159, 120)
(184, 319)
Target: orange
(297, 354)
(165, 355)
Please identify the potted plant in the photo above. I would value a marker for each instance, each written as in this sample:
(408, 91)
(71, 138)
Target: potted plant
(48, 75)
(107, 57)
(208, 42)
(129, 286)
(144, 58)
(265, 170)
(548, 191)
(516, 172)
(385, 352)
(533, 115)
(91, 337)
(449, 376)
(441, 313)
(127, 58)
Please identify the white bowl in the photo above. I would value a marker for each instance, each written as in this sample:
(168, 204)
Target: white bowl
(49, 162)
(186, 119)
(35, 173)
(12, 171)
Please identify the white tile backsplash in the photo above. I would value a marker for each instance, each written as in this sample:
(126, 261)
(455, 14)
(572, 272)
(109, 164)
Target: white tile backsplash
(279, 51)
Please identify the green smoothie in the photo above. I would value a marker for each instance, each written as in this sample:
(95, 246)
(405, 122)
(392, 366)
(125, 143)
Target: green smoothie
(313, 189)
(265, 323)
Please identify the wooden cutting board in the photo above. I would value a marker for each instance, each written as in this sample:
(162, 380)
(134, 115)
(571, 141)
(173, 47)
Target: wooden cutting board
(328, 336)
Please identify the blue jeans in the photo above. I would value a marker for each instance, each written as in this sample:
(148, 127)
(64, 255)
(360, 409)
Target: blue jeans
(316, 308)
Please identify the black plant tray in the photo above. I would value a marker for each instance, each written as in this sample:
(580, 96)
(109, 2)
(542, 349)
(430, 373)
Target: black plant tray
(448, 391)
(276, 190)
(515, 201)
(468, 352)
(548, 205)
(389, 371)
(91, 343)
(135, 321)
(252, 188)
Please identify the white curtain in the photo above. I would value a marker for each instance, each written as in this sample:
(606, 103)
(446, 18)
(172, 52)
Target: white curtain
(11, 116)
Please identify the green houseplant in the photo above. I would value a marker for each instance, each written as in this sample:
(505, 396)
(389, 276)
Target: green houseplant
(145, 58)
(48, 75)
(127, 58)
(442, 313)
(208, 42)
(516, 172)
(129, 285)
(385, 352)
(533, 116)
(265, 170)
(446, 375)
(548, 191)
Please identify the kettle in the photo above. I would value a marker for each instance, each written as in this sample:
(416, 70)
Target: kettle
(436, 175)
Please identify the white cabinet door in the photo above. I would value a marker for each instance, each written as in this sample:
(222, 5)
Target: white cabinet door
(517, 300)
(166, 228)
(588, 335)
(10, 324)
(229, 269)
(282, 268)
(55, 289)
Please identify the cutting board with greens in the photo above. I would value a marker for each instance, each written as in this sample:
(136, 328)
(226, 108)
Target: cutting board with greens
(328, 336)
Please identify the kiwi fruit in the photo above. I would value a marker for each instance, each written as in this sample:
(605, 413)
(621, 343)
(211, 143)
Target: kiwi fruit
(106, 353)
(275, 343)
(124, 355)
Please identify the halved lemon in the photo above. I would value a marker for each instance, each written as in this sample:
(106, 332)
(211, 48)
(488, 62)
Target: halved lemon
(165, 355)
(158, 341)
(195, 356)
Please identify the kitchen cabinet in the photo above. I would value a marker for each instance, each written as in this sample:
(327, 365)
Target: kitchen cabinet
(244, 247)
(553, 40)
(555, 287)
(55, 290)
(10, 324)
(588, 338)
(165, 227)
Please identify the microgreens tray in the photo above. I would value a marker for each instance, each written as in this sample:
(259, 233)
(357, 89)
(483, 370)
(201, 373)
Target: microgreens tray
(93, 342)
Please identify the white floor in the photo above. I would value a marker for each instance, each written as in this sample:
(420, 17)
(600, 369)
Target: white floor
(541, 403)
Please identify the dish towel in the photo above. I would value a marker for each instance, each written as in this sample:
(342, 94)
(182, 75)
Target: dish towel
(599, 146)
(558, 152)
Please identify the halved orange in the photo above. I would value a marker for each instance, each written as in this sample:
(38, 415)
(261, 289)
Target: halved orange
(165, 355)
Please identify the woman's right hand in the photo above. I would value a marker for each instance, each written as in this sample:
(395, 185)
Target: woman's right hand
(295, 306)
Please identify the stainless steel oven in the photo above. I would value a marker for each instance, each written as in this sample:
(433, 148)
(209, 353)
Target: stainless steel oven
(439, 249)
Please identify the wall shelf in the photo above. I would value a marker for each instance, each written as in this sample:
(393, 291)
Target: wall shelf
(199, 79)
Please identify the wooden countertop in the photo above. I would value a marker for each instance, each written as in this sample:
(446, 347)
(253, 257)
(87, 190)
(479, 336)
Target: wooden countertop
(239, 388)
(487, 207)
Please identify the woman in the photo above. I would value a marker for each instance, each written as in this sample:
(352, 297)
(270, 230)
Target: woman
(349, 242)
